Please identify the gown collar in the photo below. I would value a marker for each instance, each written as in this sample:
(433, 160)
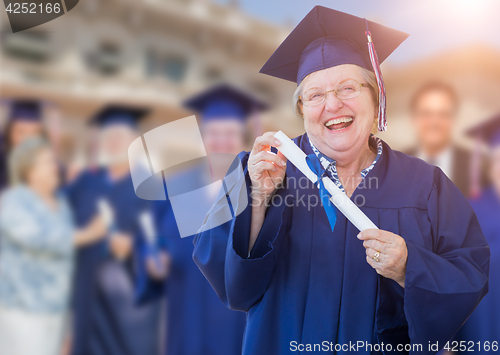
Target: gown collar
(330, 165)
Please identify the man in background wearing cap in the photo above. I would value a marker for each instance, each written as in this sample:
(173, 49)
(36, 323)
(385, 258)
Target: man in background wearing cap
(198, 323)
(434, 110)
(106, 319)
(482, 329)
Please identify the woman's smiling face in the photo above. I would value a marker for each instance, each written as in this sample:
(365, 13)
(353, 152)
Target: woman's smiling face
(356, 115)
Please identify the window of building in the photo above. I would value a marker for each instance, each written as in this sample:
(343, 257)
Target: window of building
(152, 63)
(106, 59)
(175, 68)
(28, 46)
(170, 67)
(109, 59)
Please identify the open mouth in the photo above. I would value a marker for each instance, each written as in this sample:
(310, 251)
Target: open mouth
(337, 124)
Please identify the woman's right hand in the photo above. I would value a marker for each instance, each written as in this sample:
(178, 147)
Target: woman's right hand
(93, 232)
(266, 169)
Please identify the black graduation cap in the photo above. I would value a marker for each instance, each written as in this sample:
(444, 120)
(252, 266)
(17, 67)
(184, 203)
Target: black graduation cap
(326, 38)
(119, 114)
(224, 102)
(488, 131)
(25, 110)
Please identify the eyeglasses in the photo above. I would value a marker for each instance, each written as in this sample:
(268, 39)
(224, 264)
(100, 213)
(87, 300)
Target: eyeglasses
(345, 91)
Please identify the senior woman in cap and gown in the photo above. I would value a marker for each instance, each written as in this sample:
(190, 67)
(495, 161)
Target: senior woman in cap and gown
(198, 322)
(481, 332)
(308, 288)
(24, 121)
(106, 319)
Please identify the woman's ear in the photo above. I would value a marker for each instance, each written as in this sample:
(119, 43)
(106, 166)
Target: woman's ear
(301, 108)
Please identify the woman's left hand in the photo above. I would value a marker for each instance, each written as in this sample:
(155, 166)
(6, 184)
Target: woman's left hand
(390, 251)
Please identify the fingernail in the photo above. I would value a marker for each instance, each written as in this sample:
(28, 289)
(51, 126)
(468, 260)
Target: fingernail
(283, 162)
(277, 142)
(359, 235)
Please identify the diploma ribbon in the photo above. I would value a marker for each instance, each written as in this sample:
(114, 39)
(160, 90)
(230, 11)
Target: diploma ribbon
(314, 164)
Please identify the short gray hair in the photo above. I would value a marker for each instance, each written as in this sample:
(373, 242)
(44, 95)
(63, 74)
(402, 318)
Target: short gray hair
(368, 76)
(23, 157)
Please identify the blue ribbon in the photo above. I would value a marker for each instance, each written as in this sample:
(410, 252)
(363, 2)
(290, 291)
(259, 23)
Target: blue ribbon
(315, 165)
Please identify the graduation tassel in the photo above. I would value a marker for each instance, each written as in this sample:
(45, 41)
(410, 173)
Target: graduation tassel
(382, 120)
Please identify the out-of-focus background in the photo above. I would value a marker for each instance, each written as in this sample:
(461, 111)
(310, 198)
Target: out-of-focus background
(158, 52)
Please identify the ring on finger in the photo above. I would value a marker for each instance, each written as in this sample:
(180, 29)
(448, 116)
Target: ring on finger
(376, 256)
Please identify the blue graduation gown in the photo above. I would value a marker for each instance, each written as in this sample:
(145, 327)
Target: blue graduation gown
(106, 319)
(4, 174)
(484, 324)
(198, 322)
(304, 283)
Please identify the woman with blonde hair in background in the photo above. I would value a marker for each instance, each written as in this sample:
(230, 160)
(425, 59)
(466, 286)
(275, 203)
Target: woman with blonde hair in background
(36, 253)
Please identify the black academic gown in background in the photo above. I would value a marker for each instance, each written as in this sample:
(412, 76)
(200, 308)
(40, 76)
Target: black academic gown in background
(303, 284)
(461, 169)
(106, 319)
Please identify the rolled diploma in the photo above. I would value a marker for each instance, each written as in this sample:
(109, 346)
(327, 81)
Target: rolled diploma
(106, 212)
(298, 158)
(148, 227)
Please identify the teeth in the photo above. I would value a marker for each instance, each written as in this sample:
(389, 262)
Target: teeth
(338, 120)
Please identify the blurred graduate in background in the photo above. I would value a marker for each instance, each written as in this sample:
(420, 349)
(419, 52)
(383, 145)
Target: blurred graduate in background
(106, 319)
(24, 120)
(434, 110)
(37, 251)
(484, 324)
(198, 322)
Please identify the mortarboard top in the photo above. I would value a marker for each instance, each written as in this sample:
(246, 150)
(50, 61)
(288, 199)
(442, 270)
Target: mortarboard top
(224, 102)
(488, 131)
(119, 114)
(326, 38)
(25, 110)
